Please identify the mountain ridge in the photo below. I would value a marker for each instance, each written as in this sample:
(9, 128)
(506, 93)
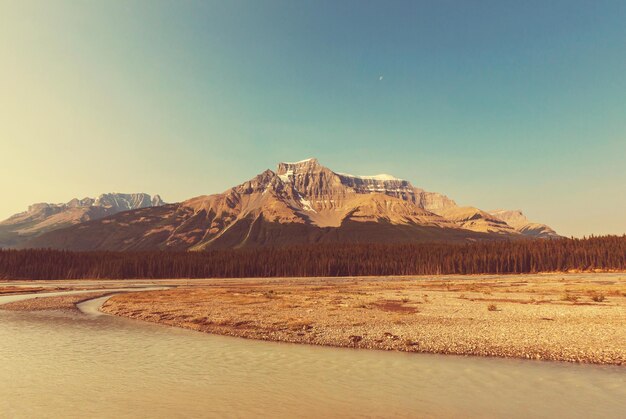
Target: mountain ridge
(300, 202)
(42, 217)
(517, 220)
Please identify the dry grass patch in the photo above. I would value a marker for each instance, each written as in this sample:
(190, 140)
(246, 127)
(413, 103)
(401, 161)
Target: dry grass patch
(598, 297)
(569, 297)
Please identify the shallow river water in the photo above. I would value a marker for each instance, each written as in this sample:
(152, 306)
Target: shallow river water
(55, 365)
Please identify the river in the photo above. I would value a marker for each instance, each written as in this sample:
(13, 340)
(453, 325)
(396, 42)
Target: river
(60, 364)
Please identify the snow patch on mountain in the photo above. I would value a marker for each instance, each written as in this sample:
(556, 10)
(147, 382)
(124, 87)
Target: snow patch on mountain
(382, 176)
(300, 162)
(285, 177)
(306, 204)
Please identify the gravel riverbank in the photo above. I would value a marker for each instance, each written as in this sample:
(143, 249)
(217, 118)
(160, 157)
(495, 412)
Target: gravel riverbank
(551, 317)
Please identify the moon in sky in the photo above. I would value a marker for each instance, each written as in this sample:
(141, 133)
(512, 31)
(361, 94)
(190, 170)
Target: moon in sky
(380, 77)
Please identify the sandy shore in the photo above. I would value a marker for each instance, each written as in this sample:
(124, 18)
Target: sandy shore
(553, 317)
(61, 302)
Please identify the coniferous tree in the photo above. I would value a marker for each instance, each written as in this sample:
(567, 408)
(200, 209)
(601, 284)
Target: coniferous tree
(505, 257)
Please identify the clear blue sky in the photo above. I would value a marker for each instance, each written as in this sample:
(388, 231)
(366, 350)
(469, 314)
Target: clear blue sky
(498, 104)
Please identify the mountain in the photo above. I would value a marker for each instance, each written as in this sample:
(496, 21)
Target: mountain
(44, 217)
(517, 220)
(301, 202)
(474, 219)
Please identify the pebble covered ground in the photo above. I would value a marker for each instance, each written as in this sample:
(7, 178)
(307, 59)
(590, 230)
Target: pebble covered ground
(553, 317)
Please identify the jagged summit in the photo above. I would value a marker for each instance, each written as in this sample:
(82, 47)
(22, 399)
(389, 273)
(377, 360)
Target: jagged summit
(125, 202)
(312, 180)
(289, 167)
(42, 217)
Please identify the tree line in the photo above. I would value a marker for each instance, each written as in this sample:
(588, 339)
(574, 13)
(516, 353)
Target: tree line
(505, 257)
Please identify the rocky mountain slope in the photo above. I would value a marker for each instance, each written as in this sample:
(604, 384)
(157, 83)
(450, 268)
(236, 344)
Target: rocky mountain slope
(299, 203)
(517, 220)
(474, 219)
(44, 217)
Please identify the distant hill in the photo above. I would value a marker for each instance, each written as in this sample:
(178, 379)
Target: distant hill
(517, 220)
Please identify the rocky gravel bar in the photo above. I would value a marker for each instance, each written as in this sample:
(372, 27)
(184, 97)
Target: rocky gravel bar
(559, 317)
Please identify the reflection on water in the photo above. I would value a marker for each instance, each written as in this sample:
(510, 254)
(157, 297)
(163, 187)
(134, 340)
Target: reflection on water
(77, 365)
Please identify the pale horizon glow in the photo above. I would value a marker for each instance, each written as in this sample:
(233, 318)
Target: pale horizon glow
(513, 105)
